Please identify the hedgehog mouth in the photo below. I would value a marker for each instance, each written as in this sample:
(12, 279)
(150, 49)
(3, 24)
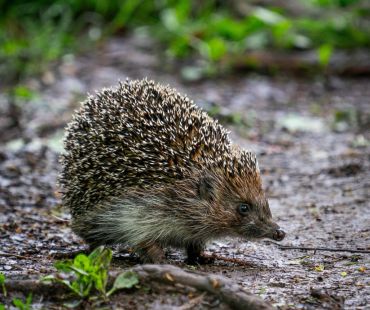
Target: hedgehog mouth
(255, 234)
(276, 234)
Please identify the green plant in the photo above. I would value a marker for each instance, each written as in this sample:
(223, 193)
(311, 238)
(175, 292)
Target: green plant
(2, 283)
(19, 304)
(88, 273)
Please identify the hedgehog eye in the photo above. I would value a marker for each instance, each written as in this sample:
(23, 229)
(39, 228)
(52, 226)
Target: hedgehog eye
(244, 209)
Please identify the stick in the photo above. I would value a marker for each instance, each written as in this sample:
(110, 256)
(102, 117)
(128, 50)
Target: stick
(229, 292)
(229, 260)
(289, 247)
(70, 254)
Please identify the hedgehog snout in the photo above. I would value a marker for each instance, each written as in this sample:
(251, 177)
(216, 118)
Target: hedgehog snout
(278, 235)
(274, 232)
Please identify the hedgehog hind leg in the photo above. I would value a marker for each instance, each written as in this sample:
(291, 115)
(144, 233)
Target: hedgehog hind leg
(150, 253)
(86, 229)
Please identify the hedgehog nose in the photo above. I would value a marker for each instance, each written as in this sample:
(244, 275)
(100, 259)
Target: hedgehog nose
(278, 235)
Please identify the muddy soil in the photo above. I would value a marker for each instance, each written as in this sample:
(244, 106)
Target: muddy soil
(312, 137)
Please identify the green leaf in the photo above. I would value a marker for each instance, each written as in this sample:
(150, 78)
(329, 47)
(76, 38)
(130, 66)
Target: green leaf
(73, 304)
(179, 46)
(319, 268)
(80, 271)
(63, 266)
(126, 279)
(104, 259)
(229, 28)
(170, 20)
(216, 48)
(48, 278)
(24, 93)
(126, 11)
(267, 16)
(19, 304)
(2, 307)
(325, 52)
(29, 300)
(81, 263)
(2, 283)
(96, 253)
(257, 40)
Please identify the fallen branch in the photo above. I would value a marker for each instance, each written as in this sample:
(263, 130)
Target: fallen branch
(290, 247)
(229, 292)
(225, 289)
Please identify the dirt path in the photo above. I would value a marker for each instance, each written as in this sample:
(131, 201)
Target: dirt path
(313, 147)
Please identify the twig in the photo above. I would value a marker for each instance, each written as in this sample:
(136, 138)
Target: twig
(229, 292)
(14, 255)
(70, 254)
(289, 247)
(228, 260)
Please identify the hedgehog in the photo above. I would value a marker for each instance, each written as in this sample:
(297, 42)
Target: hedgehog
(144, 166)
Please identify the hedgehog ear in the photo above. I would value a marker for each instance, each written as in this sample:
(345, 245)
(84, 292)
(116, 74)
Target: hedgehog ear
(206, 188)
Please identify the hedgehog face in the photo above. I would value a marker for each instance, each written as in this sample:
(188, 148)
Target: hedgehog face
(254, 218)
(255, 222)
(239, 206)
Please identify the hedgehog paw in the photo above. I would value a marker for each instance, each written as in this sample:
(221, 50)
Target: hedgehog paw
(195, 256)
(199, 260)
(151, 254)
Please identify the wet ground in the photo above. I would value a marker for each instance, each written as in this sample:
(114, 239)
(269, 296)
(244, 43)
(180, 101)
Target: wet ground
(312, 137)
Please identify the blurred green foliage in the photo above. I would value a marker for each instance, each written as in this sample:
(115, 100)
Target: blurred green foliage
(35, 33)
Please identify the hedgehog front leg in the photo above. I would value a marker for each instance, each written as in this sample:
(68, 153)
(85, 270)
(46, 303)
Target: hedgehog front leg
(150, 253)
(194, 252)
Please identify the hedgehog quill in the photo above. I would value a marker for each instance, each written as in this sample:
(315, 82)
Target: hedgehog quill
(144, 166)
